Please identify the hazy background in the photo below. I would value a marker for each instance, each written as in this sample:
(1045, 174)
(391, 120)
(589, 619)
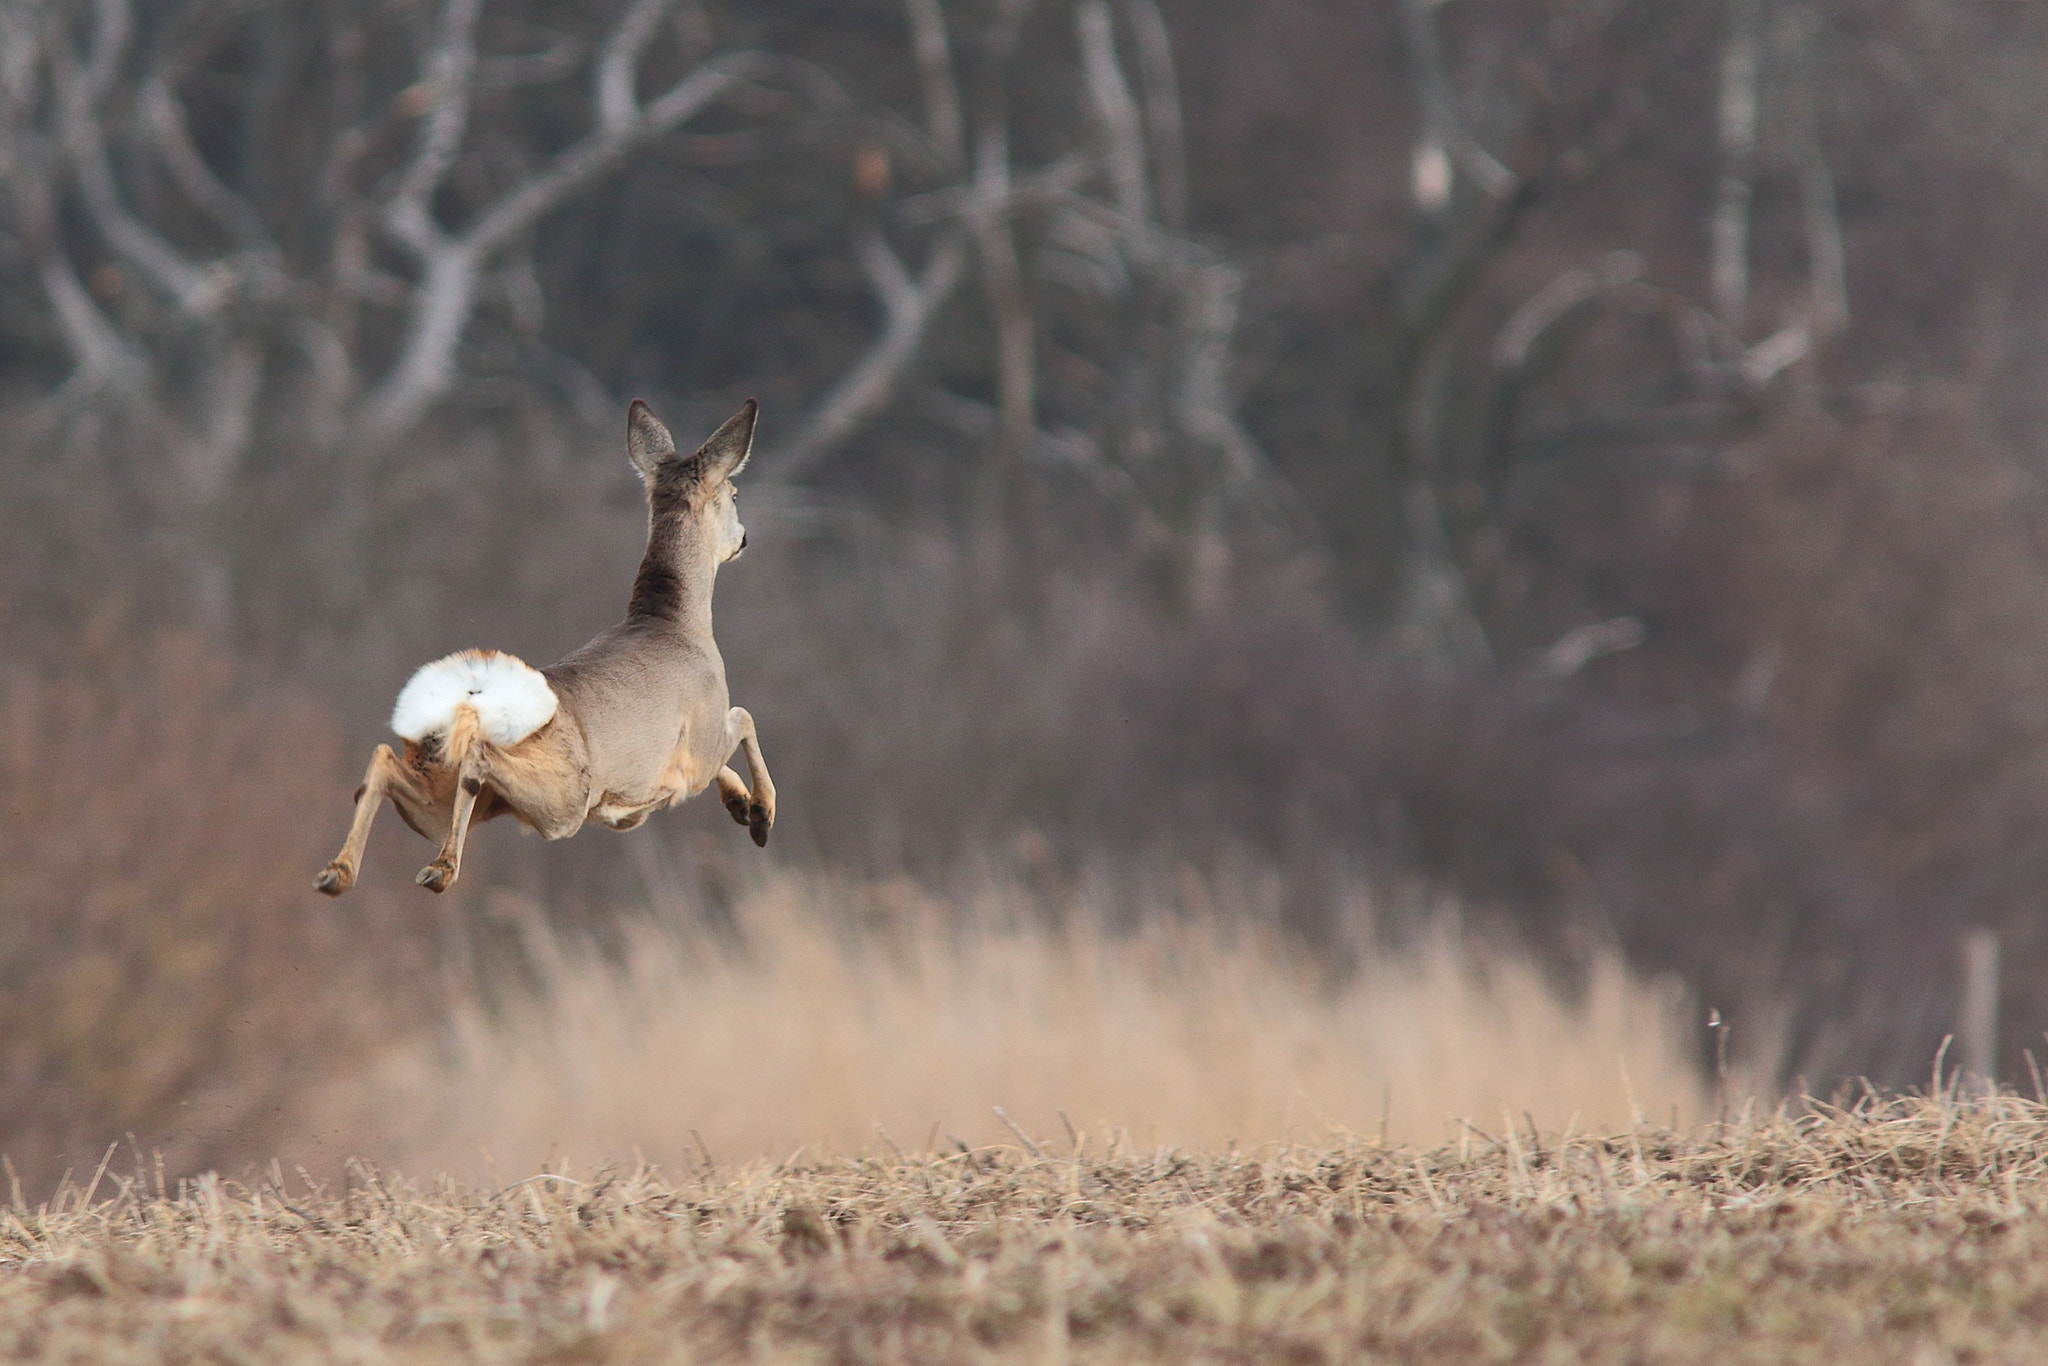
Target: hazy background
(1497, 500)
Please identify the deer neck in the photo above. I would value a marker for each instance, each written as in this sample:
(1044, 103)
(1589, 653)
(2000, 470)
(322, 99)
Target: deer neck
(676, 575)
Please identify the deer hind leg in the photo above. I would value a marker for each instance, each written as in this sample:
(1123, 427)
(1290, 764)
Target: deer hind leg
(755, 809)
(733, 794)
(440, 875)
(385, 777)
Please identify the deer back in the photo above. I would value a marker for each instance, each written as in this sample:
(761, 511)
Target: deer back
(637, 692)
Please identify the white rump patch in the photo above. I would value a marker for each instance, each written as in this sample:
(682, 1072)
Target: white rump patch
(511, 698)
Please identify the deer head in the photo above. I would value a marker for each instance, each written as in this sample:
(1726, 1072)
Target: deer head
(692, 499)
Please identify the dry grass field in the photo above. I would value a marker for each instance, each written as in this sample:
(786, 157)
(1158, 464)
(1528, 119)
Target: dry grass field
(1904, 1231)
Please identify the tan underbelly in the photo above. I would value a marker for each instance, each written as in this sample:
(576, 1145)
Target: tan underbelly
(626, 815)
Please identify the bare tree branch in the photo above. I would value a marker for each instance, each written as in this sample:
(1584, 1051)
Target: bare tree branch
(1789, 344)
(574, 169)
(1581, 645)
(987, 205)
(559, 58)
(198, 291)
(1205, 410)
(21, 55)
(165, 117)
(1206, 290)
(618, 65)
(1436, 624)
(1048, 184)
(1161, 376)
(1829, 288)
(104, 357)
(451, 262)
(1484, 167)
(1115, 111)
(1740, 69)
(229, 365)
(1162, 110)
(867, 387)
(941, 93)
(1003, 282)
(989, 221)
(1550, 305)
(446, 85)
(112, 24)
(1432, 169)
(1827, 283)
(446, 293)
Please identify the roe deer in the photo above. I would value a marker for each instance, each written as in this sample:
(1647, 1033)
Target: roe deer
(633, 722)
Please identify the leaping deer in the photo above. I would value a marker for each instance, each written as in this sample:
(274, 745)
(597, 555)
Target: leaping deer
(633, 722)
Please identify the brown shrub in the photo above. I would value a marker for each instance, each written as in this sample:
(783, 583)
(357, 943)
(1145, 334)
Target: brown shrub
(165, 968)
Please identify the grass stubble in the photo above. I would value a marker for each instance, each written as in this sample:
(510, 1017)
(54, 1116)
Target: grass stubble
(1903, 1229)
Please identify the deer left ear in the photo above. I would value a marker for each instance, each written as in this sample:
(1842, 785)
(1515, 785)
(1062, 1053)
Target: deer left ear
(647, 441)
(725, 454)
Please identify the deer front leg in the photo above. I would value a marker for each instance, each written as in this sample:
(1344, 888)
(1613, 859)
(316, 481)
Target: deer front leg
(384, 774)
(756, 811)
(440, 875)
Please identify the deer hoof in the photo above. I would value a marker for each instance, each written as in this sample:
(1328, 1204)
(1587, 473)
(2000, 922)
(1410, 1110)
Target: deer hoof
(435, 877)
(759, 819)
(740, 810)
(335, 879)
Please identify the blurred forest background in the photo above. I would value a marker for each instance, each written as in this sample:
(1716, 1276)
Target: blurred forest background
(1579, 458)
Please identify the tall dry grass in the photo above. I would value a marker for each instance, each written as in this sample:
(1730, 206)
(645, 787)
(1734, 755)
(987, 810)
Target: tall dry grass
(848, 1018)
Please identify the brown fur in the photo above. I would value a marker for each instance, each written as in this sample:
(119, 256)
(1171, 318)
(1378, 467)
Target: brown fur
(643, 719)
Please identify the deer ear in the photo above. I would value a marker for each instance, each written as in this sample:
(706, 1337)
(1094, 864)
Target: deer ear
(725, 454)
(647, 441)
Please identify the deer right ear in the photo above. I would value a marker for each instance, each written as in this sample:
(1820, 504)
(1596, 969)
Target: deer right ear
(647, 441)
(725, 454)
